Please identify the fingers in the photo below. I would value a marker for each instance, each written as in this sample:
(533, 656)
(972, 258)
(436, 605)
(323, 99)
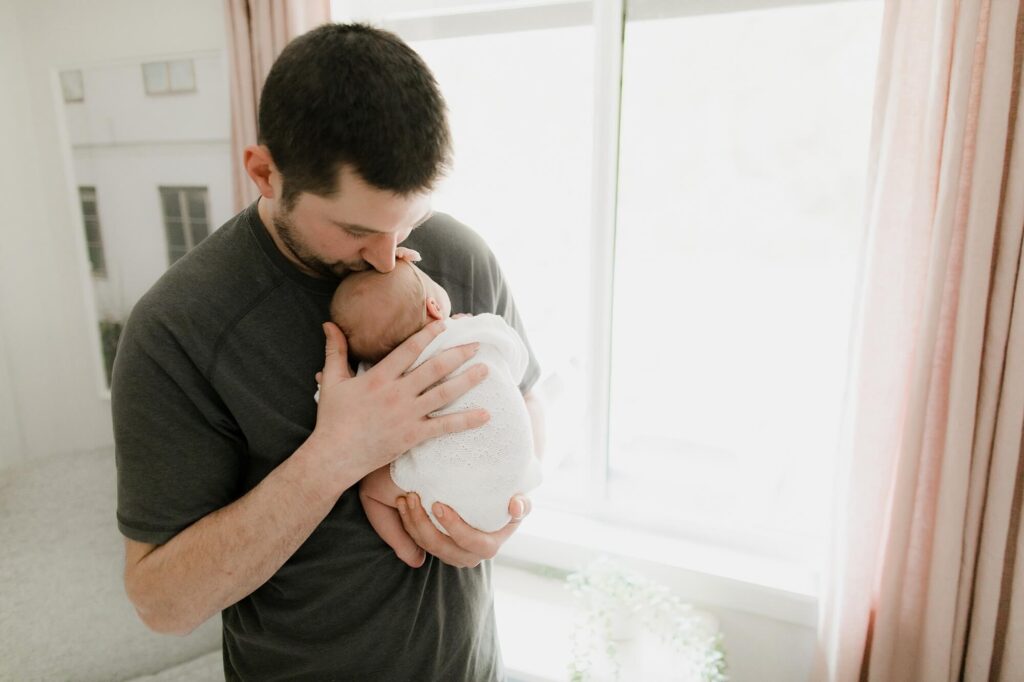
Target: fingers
(469, 539)
(445, 393)
(422, 530)
(519, 507)
(401, 358)
(405, 253)
(336, 354)
(440, 366)
(435, 427)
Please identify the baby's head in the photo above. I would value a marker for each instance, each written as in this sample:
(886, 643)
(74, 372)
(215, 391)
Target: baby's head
(378, 311)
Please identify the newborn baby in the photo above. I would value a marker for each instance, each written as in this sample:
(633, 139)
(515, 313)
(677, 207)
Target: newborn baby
(475, 472)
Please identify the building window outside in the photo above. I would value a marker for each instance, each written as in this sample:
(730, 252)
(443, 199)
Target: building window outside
(185, 219)
(72, 86)
(93, 239)
(163, 78)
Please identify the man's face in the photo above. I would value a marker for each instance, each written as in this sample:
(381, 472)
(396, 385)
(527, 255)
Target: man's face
(357, 229)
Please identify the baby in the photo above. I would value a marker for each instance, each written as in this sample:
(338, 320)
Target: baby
(475, 472)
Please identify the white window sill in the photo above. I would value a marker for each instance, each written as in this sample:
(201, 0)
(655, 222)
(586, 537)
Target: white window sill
(709, 577)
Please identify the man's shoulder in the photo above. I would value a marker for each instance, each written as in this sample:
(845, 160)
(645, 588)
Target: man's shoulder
(200, 294)
(444, 236)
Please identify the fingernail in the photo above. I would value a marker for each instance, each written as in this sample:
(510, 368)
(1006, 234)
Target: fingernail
(401, 505)
(518, 509)
(438, 510)
(324, 327)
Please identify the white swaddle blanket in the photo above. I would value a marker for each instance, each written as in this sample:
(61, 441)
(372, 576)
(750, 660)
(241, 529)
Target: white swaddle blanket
(476, 472)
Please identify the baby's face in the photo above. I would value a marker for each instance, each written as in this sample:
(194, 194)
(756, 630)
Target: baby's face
(377, 311)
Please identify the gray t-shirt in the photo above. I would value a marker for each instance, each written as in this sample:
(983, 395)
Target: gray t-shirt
(213, 388)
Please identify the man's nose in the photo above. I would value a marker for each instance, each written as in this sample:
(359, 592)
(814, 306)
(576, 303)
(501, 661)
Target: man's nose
(381, 253)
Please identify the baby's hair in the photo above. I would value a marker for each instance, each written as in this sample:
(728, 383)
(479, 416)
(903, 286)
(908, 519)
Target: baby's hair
(362, 294)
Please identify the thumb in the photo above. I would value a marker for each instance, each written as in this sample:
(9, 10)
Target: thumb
(336, 354)
(519, 507)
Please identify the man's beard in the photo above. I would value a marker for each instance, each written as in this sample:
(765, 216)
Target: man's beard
(288, 234)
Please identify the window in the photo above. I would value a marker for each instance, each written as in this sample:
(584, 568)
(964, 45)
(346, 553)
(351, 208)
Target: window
(163, 78)
(740, 190)
(185, 219)
(93, 240)
(519, 88)
(71, 85)
(681, 228)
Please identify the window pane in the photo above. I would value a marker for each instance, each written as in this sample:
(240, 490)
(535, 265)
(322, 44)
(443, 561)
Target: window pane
(199, 231)
(171, 203)
(182, 75)
(521, 178)
(155, 77)
(175, 234)
(72, 86)
(96, 259)
(92, 229)
(741, 183)
(197, 204)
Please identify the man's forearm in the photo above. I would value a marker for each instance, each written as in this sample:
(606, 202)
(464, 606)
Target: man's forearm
(229, 553)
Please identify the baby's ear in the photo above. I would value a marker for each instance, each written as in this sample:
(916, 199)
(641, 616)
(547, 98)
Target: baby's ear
(433, 309)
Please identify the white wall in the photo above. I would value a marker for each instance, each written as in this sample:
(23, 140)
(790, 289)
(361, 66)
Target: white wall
(47, 325)
(14, 116)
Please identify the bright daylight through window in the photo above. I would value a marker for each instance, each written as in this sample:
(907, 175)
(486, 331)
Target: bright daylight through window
(742, 156)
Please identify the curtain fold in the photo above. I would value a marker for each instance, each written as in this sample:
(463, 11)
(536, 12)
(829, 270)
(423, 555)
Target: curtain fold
(257, 32)
(923, 581)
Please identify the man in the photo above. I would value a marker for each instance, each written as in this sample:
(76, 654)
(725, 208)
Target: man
(236, 492)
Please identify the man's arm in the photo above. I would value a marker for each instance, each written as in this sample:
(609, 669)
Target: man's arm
(227, 554)
(362, 423)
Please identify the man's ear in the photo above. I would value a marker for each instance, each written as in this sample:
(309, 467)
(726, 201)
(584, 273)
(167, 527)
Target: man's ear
(433, 309)
(260, 167)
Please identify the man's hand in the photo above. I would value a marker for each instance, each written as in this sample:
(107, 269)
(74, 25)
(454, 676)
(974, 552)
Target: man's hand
(464, 546)
(371, 419)
(407, 254)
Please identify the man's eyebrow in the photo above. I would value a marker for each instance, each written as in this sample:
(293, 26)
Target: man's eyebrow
(426, 216)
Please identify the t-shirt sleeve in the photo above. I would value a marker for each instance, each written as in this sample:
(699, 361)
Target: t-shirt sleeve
(493, 295)
(178, 450)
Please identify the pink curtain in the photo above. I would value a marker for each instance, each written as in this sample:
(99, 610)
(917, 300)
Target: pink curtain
(926, 573)
(257, 32)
